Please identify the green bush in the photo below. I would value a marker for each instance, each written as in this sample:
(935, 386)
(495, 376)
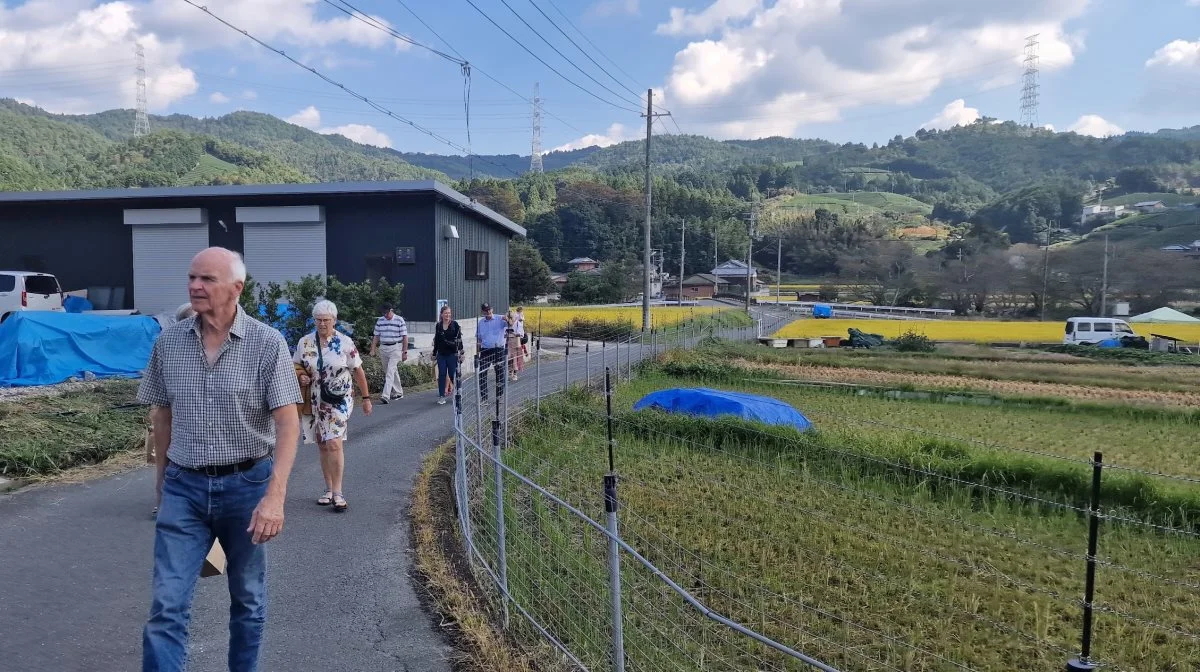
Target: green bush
(411, 375)
(911, 341)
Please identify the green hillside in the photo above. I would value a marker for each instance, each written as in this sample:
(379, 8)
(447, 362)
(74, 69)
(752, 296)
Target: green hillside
(886, 202)
(1153, 231)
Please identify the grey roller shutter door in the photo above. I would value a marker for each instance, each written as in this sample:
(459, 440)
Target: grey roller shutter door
(279, 252)
(162, 254)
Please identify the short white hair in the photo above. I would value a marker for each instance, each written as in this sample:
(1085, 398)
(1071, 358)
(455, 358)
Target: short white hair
(237, 267)
(324, 308)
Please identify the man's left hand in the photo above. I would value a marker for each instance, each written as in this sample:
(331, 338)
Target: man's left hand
(404, 357)
(267, 521)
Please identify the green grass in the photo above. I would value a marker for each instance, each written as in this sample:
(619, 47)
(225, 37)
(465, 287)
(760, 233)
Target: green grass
(208, 168)
(799, 537)
(856, 205)
(1152, 230)
(886, 201)
(1140, 197)
(45, 435)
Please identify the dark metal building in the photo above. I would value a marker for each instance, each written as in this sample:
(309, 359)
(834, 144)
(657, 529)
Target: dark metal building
(130, 248)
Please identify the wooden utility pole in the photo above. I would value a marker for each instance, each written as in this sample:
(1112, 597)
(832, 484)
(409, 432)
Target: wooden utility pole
(682, 233)
(779, 268)
(1104, 282)
(750, 252)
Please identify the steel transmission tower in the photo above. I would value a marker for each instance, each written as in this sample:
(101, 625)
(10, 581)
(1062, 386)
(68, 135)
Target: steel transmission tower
(141, 121)
(535, 158)
(1029, 90)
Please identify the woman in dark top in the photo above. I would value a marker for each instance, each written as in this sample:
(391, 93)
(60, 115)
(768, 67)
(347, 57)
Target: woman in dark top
(448, 348)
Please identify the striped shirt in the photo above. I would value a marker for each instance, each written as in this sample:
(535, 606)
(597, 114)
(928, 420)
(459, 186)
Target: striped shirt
(220, 413)
(390, 332)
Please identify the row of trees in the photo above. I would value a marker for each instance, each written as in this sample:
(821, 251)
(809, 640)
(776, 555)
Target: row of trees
(1020, 281)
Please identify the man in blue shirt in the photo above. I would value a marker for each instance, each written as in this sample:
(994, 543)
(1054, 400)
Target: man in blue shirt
(490, 343)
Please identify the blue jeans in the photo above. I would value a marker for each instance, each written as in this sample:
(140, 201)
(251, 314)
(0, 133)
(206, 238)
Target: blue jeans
(447, 370)
(196, 509)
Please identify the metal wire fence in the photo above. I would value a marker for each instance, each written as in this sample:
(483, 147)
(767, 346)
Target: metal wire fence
(879, 564)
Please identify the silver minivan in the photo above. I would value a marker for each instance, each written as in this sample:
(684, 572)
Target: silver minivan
(22, 290)
(1092, 330)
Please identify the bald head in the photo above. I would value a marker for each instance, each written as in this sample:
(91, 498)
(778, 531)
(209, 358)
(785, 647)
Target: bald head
(235, 268)
(215, 282)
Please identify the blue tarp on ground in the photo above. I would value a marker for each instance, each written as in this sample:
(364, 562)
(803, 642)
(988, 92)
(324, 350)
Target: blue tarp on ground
(44, 348)
(76, 304)
(712, 403)
(822, 310)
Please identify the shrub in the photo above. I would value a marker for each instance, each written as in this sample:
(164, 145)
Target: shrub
(911, 341)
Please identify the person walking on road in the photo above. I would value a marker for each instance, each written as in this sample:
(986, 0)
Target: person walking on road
(391, 339)
(333, 365)
(448, 350)
(490, 344)
(516, 358)
(223, 394)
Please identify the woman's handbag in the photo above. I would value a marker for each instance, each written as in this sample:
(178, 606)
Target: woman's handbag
(326, 396)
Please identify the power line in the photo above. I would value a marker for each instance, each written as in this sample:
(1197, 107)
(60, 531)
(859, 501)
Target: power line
(359, 15)
(589, 41)
(430, 29)
(543, 62)
(582, 51)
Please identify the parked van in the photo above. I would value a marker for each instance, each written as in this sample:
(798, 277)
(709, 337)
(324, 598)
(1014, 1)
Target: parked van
(21, 291)
(1092, 330)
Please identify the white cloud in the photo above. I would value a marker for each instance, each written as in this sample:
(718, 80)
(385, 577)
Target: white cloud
(218, 98)
(714, 17)
(615, 8)
(1048, 127)
(1095, 126)
(1176, 54)
(770, 68)
(616, 133)
(361, 133)
(77, 55)
(70, 56)
(309, 117)
(956, 113)
(250, 94)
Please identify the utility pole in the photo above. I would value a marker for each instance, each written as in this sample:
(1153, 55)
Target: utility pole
(650, 115)
(682, 250)
(1045, 269)
(750, 252)
(779, 268)
(716, 278)
(1104, 283)
(141, 119)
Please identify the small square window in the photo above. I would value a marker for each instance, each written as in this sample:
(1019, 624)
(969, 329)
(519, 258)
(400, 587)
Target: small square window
(477, 265)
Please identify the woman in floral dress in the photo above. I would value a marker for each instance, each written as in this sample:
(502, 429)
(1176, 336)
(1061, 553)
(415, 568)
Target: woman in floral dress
(338, 365)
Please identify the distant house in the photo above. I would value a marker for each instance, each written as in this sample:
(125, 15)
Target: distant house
(1176, 248)
(559, 280)
(1149, 206)
(1093, 211)
(695, 287)
(583, 264)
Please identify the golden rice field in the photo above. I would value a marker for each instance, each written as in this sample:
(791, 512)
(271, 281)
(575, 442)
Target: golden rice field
(555, 318)
(967, 331)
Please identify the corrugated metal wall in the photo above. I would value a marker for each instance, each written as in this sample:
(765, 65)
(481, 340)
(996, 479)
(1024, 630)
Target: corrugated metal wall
(466, 295)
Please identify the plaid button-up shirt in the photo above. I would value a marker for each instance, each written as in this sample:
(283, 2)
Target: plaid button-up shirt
(220, 414)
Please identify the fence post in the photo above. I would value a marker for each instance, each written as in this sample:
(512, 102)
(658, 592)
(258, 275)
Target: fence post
(587, 364)
(460, 457)
(614, 550)
(1084, 662)
(479, 388)
(501, 550)
(567, 366)
(537, 365)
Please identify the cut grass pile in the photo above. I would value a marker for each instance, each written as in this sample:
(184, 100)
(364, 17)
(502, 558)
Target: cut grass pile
(810, 539)
(47, 434)
(968, 331)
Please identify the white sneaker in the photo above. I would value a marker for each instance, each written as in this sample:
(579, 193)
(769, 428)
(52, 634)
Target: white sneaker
(441, 401)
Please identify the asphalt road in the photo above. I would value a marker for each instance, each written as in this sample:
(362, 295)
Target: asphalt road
(76, 560)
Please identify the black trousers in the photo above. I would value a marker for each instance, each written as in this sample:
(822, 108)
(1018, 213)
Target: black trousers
(492, 358)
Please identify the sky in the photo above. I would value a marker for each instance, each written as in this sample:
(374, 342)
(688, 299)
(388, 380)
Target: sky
(842, 70)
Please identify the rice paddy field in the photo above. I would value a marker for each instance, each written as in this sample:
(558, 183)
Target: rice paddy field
(555, 320)
(967, 331)
(901, 534)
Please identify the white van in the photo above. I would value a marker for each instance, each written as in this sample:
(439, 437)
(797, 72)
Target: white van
(21, 291)
(1092, 330)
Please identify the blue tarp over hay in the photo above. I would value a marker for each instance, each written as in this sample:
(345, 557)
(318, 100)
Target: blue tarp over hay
(712, 403)
(43, 348)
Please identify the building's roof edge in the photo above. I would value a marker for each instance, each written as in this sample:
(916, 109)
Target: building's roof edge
(294, 189)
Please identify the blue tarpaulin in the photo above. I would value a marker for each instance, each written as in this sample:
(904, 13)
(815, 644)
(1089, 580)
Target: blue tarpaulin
(822, 310)
(76, 304)
(44, 348)
(712, 403)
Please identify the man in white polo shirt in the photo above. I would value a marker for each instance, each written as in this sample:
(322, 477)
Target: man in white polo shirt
(391, 340)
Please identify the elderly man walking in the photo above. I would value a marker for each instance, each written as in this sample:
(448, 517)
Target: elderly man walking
(222, 391)
(391, 340)
(490, 344)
